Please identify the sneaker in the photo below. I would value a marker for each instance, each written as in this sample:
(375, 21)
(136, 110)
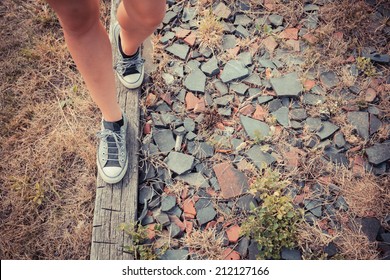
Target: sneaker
(130, 70)
(112, 160)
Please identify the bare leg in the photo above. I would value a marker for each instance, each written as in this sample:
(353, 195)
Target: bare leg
(138, 19)
(89, 45)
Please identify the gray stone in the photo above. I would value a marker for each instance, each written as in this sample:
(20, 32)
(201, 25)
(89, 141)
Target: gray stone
(162, 218)
(291, 254)
(376, 57)
(313, 99)
(267, 63)
(242, 19)
(245, 58)
(298, 114)
(169, 15)
(233, 70)
(335, 155)
(195, 81)
(327, 130)
(189, 13)
(191, 136)
(206, 52)
(168, 36)
(246, 203)
(221, 87)
(189, 124)
(361, 122)
(175, 211)
(378, 153)
(242, 32)
(314, 206)
(239, 88)
(193, 179)
(147, 220)
(222, 11)
(314, 124)
(164, 140)
(214, 184)
(288, 85)
(311, 7)
(192, 65)
(229, 42)
(167, 202)
(264, 99)
(253, 250)
(179, 50)
(179, 162)
(373, 110)
(253, 79)
(201, 150)
(242, 247)
(203, 203)
(175, 255)
(296, 125)
(227, 112)
(258, 157)
(223, 100)
(254, 128)
(281, 116)
(341, 204)
(375, 124)
(329, 79)
(330, 250)
(339, 140)
(274, 105)
(210, 68)
(155, 202)
(174, 230)
(163, 107)
(276, 20)
(205, 215)
(145, 194)
(370, 227)
(311, 22)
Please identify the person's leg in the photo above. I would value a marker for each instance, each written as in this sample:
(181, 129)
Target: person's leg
(89, 45)
(138, 19)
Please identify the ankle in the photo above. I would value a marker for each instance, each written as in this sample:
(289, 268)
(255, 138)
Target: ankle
(127, 51)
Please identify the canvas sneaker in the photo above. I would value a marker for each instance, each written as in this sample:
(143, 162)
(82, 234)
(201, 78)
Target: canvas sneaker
(130, 71)
(112, 159)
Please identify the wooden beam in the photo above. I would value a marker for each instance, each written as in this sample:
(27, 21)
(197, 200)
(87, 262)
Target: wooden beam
(117, 203)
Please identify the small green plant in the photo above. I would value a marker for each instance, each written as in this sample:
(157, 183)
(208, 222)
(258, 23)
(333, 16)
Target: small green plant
(365, 65)
(274, 224)
(139, 236)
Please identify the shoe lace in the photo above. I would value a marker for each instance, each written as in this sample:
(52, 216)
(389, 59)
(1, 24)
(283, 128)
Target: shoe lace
(106, 135)
(125, 63)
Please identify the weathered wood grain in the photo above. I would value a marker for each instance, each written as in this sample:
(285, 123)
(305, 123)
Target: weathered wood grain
(117, 203)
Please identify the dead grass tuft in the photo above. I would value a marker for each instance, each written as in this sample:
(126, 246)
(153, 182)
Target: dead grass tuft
(354, 245)
(205, 244)
(366, 194)
(210, 31)
(312, 241)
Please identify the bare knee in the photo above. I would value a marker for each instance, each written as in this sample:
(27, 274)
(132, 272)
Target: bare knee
(76, 17)
(149, 12)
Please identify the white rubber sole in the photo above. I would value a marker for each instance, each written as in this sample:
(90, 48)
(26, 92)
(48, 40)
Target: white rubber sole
(112, 180)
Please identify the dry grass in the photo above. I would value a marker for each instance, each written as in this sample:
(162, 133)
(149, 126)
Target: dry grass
(205, 244)
(312, 241)
(353, 244)
(366, 195)
(210, 31)
(48, 121)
